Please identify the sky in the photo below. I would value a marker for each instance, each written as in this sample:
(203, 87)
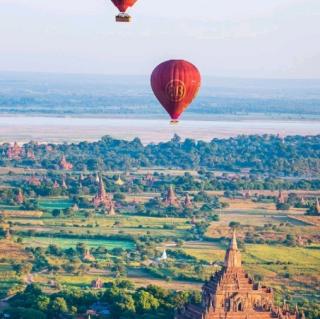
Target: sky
(224, 38)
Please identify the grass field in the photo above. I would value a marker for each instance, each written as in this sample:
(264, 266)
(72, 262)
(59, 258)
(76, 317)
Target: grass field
(293, 270)
(67, 243)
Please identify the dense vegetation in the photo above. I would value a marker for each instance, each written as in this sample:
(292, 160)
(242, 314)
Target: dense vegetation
(291, 156)
(122, 298)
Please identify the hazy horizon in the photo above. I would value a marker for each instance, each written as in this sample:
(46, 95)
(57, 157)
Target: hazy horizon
(248, 39)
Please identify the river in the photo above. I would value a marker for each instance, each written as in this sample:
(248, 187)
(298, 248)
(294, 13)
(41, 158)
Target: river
(65, 129)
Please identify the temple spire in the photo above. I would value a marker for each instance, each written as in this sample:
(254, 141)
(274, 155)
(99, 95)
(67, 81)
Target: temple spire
(233, 243)
(233, 255)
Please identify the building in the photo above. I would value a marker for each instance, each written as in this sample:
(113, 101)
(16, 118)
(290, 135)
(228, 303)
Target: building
(14, 152)
(281, 198)
(232, 294)
(119, 181)
(87, 256)
(97, 284)
(56, 185)
(171, 199)
(317, 206)
(64, 164)
(34, 181)
(102, 199)
(112, 210)
(187, 201)
(20, 197)
(64, 184)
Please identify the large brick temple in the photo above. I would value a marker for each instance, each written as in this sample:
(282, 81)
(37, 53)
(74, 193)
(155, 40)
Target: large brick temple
(232, 294)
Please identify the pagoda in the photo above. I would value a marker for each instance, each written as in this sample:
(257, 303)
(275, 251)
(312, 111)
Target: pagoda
(87, 256)
(64, 184)
(56, 185)
(112, 210)
(97, 284)
(231, 293)
(247, 194)
(14, 152)
(34, 181)
(281, 198)
(171, 199)
(102, 198)
(148, 179)
(187, 201)
(119, 181)
(317, 206)
(31, 155)
(20, 197)
(64, 164)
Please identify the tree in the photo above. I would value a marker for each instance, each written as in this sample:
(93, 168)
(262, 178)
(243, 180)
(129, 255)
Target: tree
(145, 302)
(123, 305)
(42, 303)
(24, 313)
(58, 306)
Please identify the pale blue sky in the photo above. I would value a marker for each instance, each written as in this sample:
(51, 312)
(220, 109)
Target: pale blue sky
(231, 38)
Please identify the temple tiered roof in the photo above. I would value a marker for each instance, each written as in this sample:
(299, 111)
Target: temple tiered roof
(231, 293)
(102, 198)
(64, 164)
(171, 199)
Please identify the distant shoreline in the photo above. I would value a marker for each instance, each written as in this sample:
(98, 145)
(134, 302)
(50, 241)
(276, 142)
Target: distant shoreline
(76, 129)
(188, 116)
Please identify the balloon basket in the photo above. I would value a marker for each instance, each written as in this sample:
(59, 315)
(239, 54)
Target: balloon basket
(123, 17)
(174, 122)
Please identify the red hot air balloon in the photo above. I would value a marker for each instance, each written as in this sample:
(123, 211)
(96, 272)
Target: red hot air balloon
(175, 83)
(123, 6)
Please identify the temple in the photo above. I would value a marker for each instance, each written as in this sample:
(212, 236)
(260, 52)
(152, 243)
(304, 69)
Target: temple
(171, 199)
(187, 201)
(20, 197)
(34, 181)
(281, 198)
(119, 181)
(64, 184)
(102, 199)
(64, 164)
(56, 185)
(14, 152)
(232, 294)
(112, 210)
(30, 155)
(317, 206)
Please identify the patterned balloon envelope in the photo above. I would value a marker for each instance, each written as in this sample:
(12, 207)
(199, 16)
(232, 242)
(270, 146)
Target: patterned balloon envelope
(175, 83)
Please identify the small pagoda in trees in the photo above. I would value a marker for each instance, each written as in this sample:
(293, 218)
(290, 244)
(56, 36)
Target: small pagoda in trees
(56, 185)
(281, 198)
(30, 155)
(87, 256)
(14, 152)
(119, 181)
(187, 203)
(317, 206)
(102, 199)
(65, 165)
(171, 198)
(64, 183)
(112, 210)
(97, 284)
(20, 197)
(34, 181)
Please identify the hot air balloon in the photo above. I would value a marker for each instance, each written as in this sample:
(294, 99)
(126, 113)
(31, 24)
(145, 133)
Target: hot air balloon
(123, 6)
(175, 83)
